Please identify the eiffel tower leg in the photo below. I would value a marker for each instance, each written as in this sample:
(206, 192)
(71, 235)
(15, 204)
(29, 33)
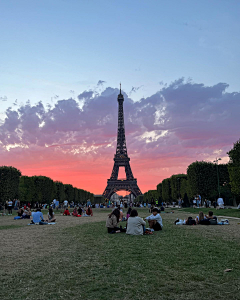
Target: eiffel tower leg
(108, 192)
(115, 171)
(129, 174)
(135, 190)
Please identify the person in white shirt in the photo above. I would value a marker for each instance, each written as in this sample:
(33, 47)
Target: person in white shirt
(155, 220)
(54, 203)
(220, 202)
(135, 224)
(65, 203)
(10, 204)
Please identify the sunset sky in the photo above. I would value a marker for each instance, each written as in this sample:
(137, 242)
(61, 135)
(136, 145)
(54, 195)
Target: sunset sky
(61, 64)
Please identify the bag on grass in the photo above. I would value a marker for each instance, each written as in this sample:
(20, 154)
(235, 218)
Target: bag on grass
(213, 221)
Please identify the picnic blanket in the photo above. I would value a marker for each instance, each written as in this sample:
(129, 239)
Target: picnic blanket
(53, 223)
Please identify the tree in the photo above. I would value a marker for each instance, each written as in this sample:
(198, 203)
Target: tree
(69, 192)
(159, 190)
(202, 178)
(26, 189)
(166, 190)
(60, 191)
(234, 168)
(175, 182)
(44, 189)
(9, 183)
(149, 195)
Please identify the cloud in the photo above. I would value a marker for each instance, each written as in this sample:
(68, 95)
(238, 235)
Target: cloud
(182, 122)
(100, 82)
(85, 95)
(4, 98)
(134, 89)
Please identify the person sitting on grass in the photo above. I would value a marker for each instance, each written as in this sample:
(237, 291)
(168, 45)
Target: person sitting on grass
(89, 212)
(20, 211)
(155, 220)
(212, 220)
(80, 211)
(51, 216)
(128, 213)
(210, 215)
(121, 218)
(135, 224)
(38, 217)
(112, 222)
(200, 218)
(66, 212)
(220, 203)
(26, 214)
(75, 213)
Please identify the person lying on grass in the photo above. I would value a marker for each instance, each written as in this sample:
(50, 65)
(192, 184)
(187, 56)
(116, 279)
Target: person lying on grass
(112, 222)
(188, 221)
(75, 213)
(200, 220)
(135, 224)
(155, 220)
(51, 216)
(66, 212)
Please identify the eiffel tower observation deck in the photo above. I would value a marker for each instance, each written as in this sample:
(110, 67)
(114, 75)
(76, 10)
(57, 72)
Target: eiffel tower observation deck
(121, 159)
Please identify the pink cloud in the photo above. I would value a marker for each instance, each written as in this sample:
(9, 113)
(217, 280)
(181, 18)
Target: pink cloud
(165, 132)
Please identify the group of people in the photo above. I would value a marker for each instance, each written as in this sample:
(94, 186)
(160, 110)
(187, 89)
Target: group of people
(135, 225)
(202, 219)
(79, 212)
(37, 216)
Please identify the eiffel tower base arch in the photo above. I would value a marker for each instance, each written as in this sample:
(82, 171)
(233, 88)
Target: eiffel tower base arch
(114, 186)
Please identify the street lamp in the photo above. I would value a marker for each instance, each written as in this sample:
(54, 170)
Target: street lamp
(216, 162)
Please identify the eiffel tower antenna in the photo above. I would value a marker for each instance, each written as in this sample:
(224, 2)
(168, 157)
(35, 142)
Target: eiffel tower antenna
(121, 159)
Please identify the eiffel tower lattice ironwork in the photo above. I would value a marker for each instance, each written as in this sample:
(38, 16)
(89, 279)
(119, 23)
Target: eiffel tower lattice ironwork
(121, 159)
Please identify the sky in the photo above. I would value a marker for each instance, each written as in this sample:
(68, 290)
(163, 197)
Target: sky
(61, 64)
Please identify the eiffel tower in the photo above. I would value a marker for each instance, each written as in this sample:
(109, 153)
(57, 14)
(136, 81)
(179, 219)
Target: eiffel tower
(121, 159)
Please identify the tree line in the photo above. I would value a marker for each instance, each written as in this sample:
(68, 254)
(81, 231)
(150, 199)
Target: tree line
(203, 178)
(39, 189)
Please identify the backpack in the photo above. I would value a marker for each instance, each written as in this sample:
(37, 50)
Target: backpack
(190, 221)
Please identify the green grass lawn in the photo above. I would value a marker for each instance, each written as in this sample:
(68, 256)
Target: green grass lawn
(180, 262)
(217, 212)
(10, 226)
